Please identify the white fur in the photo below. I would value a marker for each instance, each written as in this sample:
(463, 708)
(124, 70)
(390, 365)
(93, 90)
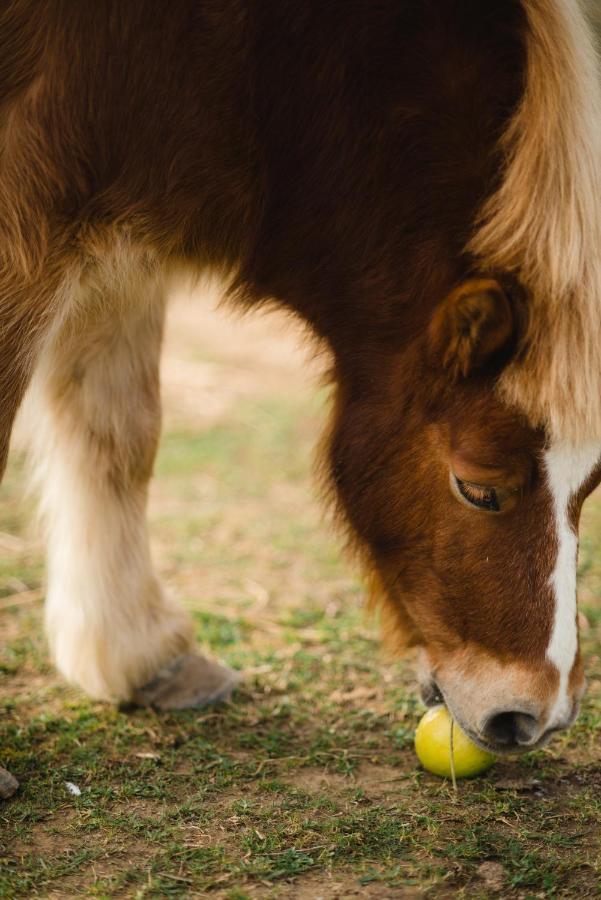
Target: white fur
(93, 413)
(567, 469)
(544, 223)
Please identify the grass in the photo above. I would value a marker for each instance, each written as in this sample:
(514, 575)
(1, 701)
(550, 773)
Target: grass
(305, 785)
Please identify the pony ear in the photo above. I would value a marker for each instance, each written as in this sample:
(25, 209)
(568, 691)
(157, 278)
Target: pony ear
(470, 326)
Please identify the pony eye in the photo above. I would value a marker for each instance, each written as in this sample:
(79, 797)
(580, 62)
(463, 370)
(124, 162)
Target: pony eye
(478, 495)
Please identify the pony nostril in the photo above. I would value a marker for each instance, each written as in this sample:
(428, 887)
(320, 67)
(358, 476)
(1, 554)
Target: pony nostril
(512, 728)
(500, 729)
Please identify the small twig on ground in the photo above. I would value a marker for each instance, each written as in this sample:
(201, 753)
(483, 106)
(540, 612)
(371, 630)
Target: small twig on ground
(453, 778)
(278, 759)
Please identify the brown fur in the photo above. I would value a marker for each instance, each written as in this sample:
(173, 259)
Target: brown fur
(333, 157)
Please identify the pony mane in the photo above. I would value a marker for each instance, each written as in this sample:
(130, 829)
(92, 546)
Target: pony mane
(544, 224)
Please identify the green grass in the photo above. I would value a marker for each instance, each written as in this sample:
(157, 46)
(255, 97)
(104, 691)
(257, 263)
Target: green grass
(307, 781)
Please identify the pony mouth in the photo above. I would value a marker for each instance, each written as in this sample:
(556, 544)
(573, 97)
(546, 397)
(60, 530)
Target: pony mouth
(433, 695)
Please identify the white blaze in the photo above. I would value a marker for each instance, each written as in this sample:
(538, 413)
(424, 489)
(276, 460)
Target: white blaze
(567, 467)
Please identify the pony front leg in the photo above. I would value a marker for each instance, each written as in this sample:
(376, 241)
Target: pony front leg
(27, 309)
(95, 415)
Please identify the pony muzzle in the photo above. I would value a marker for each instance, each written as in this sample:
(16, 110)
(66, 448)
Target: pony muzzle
(503, 707)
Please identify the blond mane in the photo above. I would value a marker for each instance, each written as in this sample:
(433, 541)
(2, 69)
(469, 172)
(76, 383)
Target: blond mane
(544, 223)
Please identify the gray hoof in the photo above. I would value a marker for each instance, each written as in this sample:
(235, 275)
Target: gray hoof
(190, 681)
(8, 784)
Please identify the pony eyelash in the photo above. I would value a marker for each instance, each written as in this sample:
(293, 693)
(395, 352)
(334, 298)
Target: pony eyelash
(478, 495)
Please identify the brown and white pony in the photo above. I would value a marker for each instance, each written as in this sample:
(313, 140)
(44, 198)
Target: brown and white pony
(419, 181)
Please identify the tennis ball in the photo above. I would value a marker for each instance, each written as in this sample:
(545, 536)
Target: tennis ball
(433, 747)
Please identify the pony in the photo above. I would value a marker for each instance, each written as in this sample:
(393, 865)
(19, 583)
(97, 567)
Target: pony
(417, 181)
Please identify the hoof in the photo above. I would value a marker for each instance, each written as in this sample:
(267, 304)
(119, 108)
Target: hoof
(190, 681)
(8, 784)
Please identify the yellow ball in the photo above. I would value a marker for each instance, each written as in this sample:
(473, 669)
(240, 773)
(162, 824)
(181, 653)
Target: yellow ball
(433, 747)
